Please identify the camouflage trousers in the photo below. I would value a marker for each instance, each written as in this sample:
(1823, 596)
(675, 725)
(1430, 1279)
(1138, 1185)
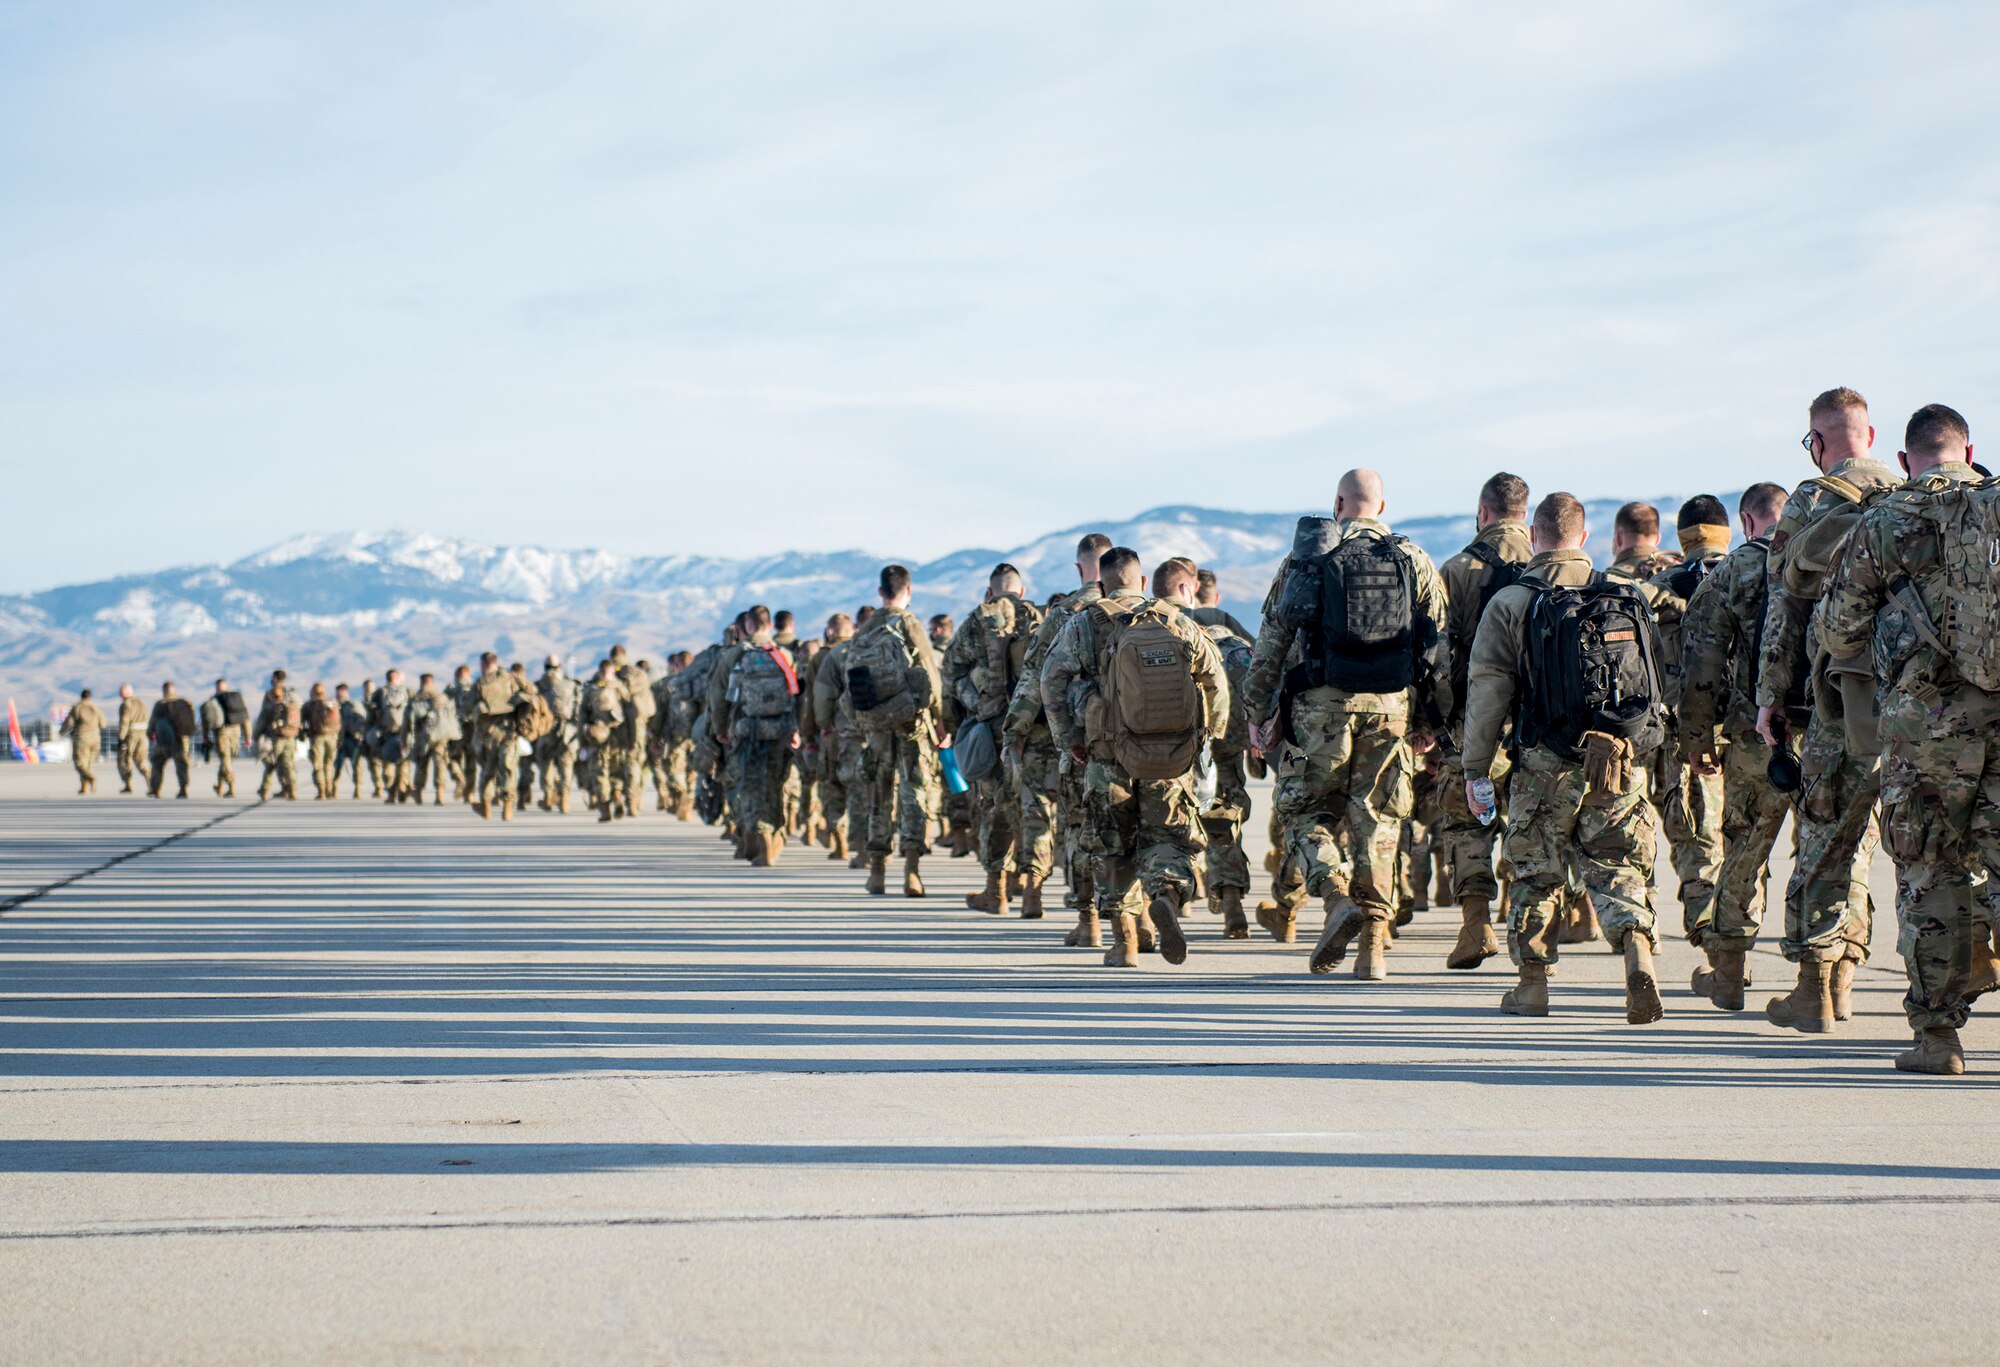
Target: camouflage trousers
(83, 754)
(1344, 789)
(673, 773)
(757, 794)
(348, 757)
(1559, 830)
(228, 740)
(846, 789)
(902, 792)
(432, 763)
(132, 759)
(1468, 846)
(499, 763)
(1828, 914)
(321, 751)
(997, 818)
(1036, 780)
(1222, 825)
(175, 754)
(1420, 834)
(1139, 833)
(555, 766)
(464, 763)
(1940, 783)
(1752, 814)
(281, 762)
(1288, 881)
(1690, 810)
(955, 810)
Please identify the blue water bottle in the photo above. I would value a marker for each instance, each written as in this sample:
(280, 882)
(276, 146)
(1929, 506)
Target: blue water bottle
(953, 780)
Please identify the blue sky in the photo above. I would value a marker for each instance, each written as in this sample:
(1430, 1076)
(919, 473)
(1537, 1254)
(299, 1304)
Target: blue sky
(729, 278)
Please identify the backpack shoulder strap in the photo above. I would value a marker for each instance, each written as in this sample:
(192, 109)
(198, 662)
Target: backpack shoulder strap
(1840, 488)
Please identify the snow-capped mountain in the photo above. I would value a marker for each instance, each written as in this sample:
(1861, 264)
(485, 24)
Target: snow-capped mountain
(347, 605)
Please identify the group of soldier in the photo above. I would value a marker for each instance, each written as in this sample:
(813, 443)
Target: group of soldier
(1515, 725)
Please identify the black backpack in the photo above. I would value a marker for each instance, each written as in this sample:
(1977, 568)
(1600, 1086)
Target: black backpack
(234, 711)
(1358, 602)
(1591, 656)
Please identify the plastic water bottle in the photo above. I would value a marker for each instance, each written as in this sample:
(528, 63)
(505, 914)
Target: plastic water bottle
(1483, 804)
(953, 779)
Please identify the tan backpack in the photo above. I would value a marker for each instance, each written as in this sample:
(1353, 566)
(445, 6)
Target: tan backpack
(1147, 716)
(533, 717)
(1806, 555)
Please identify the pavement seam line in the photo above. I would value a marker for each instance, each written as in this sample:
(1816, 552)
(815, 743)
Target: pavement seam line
(502, 1223)
(22, 899)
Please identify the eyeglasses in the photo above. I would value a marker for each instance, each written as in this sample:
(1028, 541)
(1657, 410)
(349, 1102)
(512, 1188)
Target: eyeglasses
(1807, 442)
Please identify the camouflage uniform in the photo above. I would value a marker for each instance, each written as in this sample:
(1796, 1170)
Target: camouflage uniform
(499, 756)
(902, 768)
(1940, 734)
(758, 760)
(1827, 912)
(1050, 781)
(387, 711)
(603, 714)
(171, 730)
(227, 738)
(1228, 867)
(690, 693)
(976, 671)
(639, 694)
(131, 741)
(837, 748)
(1718, 713)
(1346, 767)
(322, 722)
(555, 753)
(462, 755)
(430, 731)
(353, 739)
(85, 727)
(1468, 846)
(1143, 833)
(278, 750)
(1555, 822)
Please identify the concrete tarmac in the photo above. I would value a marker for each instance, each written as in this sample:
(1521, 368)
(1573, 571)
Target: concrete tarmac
(332, 1082)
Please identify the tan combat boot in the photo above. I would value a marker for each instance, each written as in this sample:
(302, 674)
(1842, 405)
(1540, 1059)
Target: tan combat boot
(1123, 951)
(1642, 991)
(1579, 922)
(1147, 943)
(878, 874)
(1085, 933)
(506, 809)
(837, 847)
(1985, 969)
(1840, 988)
(1371, 958)
(1722, 981)
(1235, 925)
(1281, 922)
(992, 899)
(684, 809)
(1808, 1007)
(481, 807)
(913, 886)
(1031, 900)
(1937, 1051)
(1530, 996)
(1343, 922)
(1476, 941)
(1164, 912)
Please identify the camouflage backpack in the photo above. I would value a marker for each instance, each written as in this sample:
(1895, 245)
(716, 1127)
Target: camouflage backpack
(1237, 656)
(1804, 557)
(1011, 624)
(1967, 518)
(763, 689)
(1146, 715)
(880, 663)
(495, 691)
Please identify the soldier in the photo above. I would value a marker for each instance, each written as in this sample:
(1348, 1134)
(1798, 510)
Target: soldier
(839, 744)
(891, 690)
(1689, 803)
(955, 818)
(1578, 792)
(757, 709)
(1827, 913)
(388, 711)
(602, 710)
(632, 747)
(171, 730)
(497, 694)
(370, 741)
(1718, 736)
(555, 753)
(321, 718)
(690, 693)
(225, 719)
(353, 736)
(1369, 614)
(131, 738)
(980, 668)
(1227, 872)
(85, 727)
(1917, 586)
(277, 734)
(432, 729)
(1138, 736)
(1051, 784)
(464, 763)
(668, 744)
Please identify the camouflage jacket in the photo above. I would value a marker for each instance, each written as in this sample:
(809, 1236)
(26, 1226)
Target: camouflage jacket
(1718, 653)
(1493, 676)
(1275, 641)
(464, 697)
(1894, 543)
(603, 704)
(926, 687)
(1672, 587)
(825, 681)
(1785, 615)
(131, 718)
(84, 720)
(1025, 721)
(1072, 659)
(1466, 577)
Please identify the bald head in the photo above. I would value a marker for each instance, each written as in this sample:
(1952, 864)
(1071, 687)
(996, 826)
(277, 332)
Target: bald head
(1360, 495)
